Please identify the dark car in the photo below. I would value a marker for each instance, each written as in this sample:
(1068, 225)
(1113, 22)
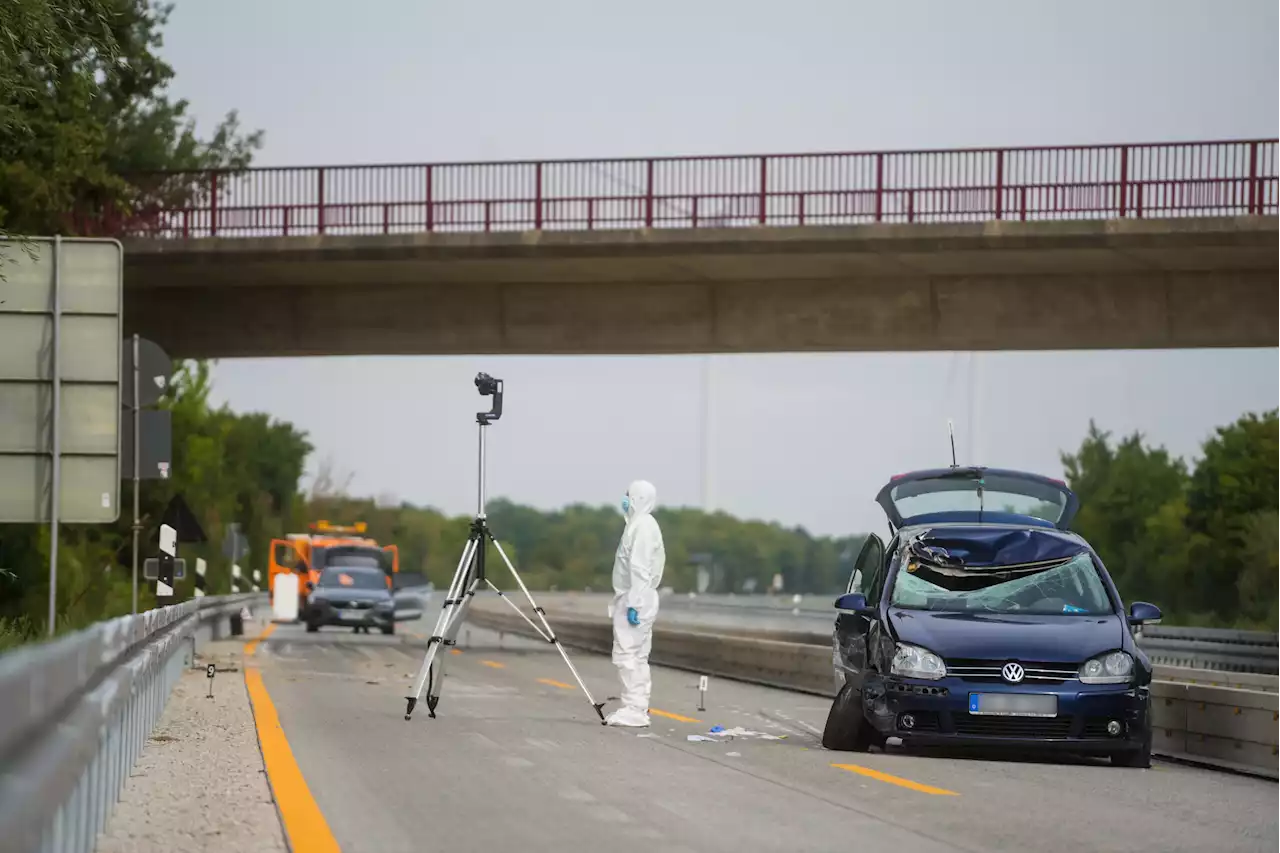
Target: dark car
(357, 597)
(987, 622)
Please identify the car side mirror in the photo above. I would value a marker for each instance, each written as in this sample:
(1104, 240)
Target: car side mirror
(1142, 613)
(854, 602)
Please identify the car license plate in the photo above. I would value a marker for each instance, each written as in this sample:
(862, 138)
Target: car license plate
(1014, 704)
(351, 614)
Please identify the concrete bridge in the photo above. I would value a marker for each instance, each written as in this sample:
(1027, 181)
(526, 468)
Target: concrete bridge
(1129, 246)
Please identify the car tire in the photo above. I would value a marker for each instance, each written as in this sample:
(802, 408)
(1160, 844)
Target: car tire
(847, 730)
(1140, 758)
(312, 627)
(388, 629)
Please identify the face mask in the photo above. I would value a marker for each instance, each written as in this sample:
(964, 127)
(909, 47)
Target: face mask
(626, 505)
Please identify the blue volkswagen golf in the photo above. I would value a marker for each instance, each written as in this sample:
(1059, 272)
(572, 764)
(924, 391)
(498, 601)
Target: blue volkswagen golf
(987, 622)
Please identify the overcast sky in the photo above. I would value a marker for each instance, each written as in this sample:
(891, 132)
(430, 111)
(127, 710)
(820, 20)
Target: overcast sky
(414, 81)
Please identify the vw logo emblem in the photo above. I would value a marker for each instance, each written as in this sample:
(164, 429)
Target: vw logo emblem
(1012, 672)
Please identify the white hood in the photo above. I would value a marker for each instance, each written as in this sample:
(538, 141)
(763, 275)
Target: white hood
(641, 556)
(643, 499)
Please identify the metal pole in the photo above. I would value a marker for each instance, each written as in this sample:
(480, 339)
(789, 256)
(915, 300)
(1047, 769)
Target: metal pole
(480, 491)
(969, 413)
(137, 522)
(55, 499)
(706, 434)
(975, 402)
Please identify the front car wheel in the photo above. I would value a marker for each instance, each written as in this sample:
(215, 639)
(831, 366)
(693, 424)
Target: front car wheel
(847, 730)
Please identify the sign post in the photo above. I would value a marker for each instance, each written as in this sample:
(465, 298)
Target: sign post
(60, 326)
(164, 576)
(147, 445)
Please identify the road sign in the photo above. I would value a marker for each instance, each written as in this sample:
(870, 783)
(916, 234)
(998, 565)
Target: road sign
(178, 515)
(155, 447)
(151, 568)
(154, 370)
(60, 329)
(234, 543)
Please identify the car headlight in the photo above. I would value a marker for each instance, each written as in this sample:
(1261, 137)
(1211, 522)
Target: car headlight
(915, 662)
(1108, 668)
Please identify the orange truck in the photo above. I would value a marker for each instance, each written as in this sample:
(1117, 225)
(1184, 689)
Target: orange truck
(307, 554)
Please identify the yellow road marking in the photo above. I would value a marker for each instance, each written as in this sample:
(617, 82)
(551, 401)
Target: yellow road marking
(455, 651)
(494, 664)
(895, 780)
(303, 821)
(559, 684)
(670, 716)
(252, 646)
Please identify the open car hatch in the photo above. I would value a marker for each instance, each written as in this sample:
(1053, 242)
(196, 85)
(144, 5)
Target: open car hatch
(977, 495)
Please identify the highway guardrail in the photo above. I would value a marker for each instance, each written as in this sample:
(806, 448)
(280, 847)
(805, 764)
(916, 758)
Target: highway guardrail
(76, 711)
(1221, 649)
(1196, 715)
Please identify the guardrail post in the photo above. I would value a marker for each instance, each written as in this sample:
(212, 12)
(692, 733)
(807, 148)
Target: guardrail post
(764, 189)
(879, 187)
(537, 204)
(1124, 181)
(648, 197)
(1254, 205)
(431, 205)
(1000, 184)
(213, 205)
(319, 201)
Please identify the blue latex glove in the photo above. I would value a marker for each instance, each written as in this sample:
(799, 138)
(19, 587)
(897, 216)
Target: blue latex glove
(633, 616)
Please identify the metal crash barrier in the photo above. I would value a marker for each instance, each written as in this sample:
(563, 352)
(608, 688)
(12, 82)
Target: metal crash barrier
(75, 713)
(1226, 719)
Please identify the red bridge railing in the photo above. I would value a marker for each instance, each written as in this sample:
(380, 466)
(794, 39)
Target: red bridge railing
(1080, 182)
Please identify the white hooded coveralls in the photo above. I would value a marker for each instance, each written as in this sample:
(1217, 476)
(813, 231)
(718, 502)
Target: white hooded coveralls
(637, 573)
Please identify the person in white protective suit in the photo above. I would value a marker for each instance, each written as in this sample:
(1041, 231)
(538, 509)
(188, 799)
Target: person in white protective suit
(637, 572)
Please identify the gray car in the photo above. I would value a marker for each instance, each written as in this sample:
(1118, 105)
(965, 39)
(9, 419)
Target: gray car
(356, 597)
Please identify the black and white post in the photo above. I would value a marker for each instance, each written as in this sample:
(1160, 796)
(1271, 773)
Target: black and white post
(235, 577)
(164, 575)
(201, 568)
(468, 577)
(257, 577)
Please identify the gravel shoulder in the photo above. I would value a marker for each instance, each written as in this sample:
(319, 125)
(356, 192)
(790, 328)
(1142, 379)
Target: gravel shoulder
(200, 783)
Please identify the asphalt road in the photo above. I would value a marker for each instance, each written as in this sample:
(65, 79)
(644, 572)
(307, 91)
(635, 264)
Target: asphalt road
(518, 760)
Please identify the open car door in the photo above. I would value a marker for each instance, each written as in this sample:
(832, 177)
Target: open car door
(976, 494)
(412, 592)
(286, 558)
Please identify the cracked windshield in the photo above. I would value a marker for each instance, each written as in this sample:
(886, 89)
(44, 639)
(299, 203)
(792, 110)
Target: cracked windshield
(1066, 587)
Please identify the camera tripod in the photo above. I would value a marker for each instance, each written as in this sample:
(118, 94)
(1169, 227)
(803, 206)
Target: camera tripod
(467, 579)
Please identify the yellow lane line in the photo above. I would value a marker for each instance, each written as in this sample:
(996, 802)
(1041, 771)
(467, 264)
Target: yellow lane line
(670, 716)
(455, 651)
(252, 646)
(493, 664)
(303, 821)
(895, 780)
(554, 683)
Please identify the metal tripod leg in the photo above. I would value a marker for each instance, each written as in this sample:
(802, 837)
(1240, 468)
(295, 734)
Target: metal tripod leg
(447, 642)
(457, 590)
(549, 634)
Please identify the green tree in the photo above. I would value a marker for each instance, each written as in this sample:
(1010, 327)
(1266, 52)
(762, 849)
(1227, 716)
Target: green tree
(229, 468)
(1231, 504)
(85, 118)
(1121, 488)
